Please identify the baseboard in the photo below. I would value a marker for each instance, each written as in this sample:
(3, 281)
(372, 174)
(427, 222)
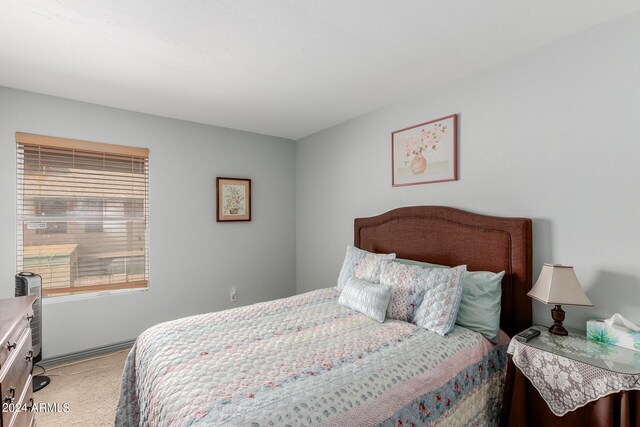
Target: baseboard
(93, 352)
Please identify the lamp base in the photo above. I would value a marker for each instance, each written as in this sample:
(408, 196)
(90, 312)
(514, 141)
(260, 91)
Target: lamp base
(557, 314)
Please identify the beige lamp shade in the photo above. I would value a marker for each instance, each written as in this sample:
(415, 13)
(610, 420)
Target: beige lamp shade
(558, 284)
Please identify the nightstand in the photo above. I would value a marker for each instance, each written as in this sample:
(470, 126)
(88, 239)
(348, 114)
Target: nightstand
(568, 380)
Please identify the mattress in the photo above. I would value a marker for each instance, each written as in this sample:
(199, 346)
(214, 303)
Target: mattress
(307, 361)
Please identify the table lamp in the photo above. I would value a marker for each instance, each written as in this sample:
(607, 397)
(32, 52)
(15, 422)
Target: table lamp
(558, 284)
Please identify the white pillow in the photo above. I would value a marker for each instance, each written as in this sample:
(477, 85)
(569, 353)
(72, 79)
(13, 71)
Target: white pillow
(363, 265)
(371, 299)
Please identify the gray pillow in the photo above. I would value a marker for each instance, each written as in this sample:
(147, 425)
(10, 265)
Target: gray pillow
(371, 299)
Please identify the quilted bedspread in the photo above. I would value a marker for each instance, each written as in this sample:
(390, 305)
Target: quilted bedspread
(307, 361)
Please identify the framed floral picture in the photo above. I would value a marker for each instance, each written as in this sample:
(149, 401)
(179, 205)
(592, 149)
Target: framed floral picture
(233, 199)
(425, 153)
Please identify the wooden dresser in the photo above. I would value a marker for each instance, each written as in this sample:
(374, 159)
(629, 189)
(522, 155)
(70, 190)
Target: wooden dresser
(16, 391)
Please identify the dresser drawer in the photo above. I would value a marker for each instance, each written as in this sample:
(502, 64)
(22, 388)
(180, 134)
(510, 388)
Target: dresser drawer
(14, 372)
(10, 344)
(24, 418)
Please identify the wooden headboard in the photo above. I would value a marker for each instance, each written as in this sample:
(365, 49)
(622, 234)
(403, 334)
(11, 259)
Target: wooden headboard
(449, 236)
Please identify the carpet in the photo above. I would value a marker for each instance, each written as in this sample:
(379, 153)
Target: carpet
(90, 387)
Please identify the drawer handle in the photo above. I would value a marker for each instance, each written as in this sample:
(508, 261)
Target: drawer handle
(30, 317)
(29, 356)
(11, 346)
(11, 398)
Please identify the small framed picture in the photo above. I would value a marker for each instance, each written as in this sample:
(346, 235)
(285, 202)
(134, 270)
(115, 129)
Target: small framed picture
(425, 153)
(233, 199)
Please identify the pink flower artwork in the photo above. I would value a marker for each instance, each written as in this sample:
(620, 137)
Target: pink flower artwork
(425, 153)
(426, 142)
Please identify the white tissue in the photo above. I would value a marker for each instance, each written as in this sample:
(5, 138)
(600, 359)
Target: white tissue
(620, 320)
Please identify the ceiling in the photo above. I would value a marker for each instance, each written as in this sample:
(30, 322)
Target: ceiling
(288, 68)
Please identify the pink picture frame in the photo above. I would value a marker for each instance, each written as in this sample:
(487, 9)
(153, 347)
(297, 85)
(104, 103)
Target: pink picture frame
(425, 153)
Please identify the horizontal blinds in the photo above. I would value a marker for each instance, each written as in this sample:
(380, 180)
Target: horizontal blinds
(82, 214)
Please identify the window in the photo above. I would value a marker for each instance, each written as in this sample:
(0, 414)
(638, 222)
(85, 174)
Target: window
(83, 214)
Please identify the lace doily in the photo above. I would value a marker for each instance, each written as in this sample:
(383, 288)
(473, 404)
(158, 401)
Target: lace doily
(567, 384)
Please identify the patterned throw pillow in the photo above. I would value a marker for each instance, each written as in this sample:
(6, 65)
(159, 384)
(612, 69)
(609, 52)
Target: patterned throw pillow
(367, 298)
(362, 265)
(408, 284)
(480, 303)
(439, 307)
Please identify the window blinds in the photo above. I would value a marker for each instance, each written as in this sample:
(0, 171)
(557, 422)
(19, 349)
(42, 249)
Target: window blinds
(83, 214)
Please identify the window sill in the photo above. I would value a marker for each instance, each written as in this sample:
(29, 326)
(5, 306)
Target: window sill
(91, 295)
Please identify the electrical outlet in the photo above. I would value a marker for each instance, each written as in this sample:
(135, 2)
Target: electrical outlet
(233, 297)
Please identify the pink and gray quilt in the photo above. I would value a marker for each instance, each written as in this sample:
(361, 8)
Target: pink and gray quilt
(307, 361)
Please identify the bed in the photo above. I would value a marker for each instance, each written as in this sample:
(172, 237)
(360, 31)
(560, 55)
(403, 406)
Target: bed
(305, 360)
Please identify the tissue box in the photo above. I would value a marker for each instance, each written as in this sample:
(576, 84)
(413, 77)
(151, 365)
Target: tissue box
(618, 335)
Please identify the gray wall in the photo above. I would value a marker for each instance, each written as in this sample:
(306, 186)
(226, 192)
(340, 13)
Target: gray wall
(553, 135)
(194, 261)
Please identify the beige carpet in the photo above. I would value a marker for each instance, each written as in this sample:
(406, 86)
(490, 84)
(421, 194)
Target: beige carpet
(91, 387)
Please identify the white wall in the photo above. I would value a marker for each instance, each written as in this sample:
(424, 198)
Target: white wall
(193, 260)
(553, 135)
